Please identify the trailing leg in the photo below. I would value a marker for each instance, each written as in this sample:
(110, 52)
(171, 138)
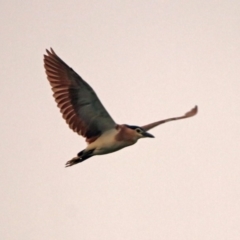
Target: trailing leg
(82, 156)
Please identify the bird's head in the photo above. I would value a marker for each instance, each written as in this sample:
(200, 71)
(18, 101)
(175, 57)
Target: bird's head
(139, 132)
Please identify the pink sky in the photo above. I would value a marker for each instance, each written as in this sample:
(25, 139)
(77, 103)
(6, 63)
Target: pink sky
(147, 60)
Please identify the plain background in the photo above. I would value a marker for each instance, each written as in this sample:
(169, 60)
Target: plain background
(147, 60)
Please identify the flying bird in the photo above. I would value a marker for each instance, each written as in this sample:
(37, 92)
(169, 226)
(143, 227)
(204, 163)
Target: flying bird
(86, 115)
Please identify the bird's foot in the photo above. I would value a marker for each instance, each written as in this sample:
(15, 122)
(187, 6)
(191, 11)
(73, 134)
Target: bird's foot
(73, 161)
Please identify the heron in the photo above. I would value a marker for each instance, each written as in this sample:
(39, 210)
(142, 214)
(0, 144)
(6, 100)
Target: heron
(86, 115)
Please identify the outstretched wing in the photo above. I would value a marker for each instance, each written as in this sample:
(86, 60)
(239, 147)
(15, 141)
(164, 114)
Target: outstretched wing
(78, 103)
(186, 115)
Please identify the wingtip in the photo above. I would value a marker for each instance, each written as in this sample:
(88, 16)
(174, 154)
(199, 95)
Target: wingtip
(47, 51)
(50, 52)
(192, 112)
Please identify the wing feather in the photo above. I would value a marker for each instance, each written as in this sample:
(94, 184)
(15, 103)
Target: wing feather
(78, 103)
(191, 113)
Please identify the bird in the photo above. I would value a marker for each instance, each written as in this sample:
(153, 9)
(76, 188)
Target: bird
(86, 115)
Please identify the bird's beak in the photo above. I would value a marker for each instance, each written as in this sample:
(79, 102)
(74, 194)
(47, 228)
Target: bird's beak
(146, 134)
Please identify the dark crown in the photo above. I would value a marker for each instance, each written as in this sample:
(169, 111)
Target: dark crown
(132, 127)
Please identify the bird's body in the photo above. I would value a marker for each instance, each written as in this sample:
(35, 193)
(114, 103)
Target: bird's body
(111, 141)
(85, 114)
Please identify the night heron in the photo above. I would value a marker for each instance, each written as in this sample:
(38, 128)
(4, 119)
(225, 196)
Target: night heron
(85, 114)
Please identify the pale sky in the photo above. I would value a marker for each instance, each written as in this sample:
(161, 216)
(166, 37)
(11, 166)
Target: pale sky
(146, 60)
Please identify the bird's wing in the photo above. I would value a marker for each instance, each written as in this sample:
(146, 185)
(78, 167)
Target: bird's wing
(78, 103)
(191, 113)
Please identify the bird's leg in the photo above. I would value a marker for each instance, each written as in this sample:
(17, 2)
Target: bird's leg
(73, 161)
(83, 155)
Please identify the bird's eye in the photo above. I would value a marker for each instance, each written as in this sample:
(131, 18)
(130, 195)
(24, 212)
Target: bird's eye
(138, 130)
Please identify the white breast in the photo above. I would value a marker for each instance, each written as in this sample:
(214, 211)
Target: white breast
(107, 143)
